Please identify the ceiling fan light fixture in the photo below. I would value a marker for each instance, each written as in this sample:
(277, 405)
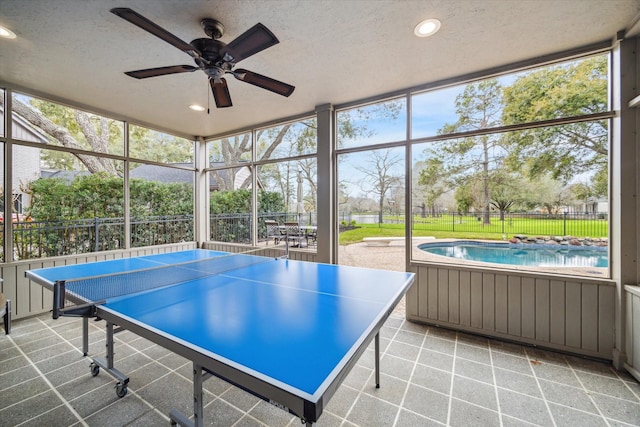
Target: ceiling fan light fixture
(7, 33)
(196, 107)
(427, 28)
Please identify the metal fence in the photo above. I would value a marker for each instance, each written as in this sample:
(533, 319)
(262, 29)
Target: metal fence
(236, 228)
(39, 239)
(510, 224)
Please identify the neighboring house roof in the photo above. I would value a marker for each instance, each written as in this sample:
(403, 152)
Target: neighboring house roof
(169, 175)
(62, 174)
(23, 130)
(163, 174)
(157, 173)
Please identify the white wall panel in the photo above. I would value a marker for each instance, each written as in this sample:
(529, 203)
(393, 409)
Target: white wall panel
(576, 315)
(632, 348)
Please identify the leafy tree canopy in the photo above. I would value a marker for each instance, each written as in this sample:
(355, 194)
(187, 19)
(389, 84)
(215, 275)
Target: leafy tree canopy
(565, 90)
(79, 130)
(101, 196)
(239, 201)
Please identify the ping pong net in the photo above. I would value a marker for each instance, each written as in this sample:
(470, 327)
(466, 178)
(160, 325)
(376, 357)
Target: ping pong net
(78, 297)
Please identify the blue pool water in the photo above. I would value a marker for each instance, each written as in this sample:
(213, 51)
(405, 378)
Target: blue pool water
(538, 255)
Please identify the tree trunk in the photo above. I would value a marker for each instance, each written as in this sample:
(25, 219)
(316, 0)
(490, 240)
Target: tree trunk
(62, 135)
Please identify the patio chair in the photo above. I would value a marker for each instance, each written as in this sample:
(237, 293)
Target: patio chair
(273, 231)
(295, 234)
(5, 312)
(313, 234)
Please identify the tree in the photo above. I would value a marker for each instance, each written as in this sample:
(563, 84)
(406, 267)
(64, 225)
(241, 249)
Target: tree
(478, 107)
(292, 140)
(548, 193)
(152, 198)
(64, 125)
(432, 177)
(506, 190)
(589, 192)
(237, 149)
(102, 196)
(464, 198)
(566, 90)
(378, 174)
(79, 130)
(600, 182)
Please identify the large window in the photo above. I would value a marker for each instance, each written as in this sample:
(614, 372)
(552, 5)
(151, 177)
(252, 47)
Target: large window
(154, 146)
(284, 164)
(230, 180)
(289, 190)
(288, 187)
(371, 179)
(68, 173)
(161, 204)
(516, 159)
(161, 193)
(373, 124)
(519, 158)
(65, 211)
(372, 190)
(66, 127)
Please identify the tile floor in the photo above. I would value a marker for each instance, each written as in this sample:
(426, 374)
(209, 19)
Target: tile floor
(430, 377)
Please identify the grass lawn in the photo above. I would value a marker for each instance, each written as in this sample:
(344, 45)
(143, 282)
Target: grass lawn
(468, 227)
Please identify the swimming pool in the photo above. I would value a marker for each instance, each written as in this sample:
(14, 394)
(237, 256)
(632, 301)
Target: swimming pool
(538, 255)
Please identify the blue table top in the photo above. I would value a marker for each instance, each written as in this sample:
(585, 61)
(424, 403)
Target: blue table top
(292, 323)
(76, 271)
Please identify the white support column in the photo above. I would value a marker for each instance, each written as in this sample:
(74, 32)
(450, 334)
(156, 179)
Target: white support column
(8, 178)
(623, 178)
(327, 230)
(126, 191)
(201, 194)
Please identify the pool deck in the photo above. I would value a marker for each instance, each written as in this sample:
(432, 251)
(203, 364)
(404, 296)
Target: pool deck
(392, 257)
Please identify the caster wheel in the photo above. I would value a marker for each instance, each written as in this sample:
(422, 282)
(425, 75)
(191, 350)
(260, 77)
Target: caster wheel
(95, 370)
(121, 390)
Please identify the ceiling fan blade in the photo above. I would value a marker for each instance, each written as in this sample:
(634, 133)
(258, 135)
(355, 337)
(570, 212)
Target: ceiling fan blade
(264, 82)
(136, 19)
(252, 41)
(220, 93)
(161, 71)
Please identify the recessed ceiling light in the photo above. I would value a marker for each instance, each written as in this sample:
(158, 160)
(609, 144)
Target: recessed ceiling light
(427, 28)
(7, 33)
(196, 107)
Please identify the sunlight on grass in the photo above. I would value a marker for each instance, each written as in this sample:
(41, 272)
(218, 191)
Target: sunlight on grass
(469, 228)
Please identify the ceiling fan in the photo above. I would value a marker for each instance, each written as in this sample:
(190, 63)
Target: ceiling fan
(212, 56)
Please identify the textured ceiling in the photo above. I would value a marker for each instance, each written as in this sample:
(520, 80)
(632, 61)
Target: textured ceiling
(332, 51)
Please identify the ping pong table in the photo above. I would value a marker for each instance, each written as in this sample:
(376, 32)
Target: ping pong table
(286, 331)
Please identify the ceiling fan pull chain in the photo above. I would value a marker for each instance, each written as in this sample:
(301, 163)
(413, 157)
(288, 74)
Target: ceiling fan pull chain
(208, 96)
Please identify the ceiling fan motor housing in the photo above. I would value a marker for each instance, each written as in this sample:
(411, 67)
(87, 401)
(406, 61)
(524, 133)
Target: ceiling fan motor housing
(212, 28)
(213, 64)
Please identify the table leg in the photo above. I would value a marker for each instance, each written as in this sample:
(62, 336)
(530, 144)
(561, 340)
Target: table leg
(108, 365)
(7, 317)
(109, 345)
(176, 417)
(85, 336)
(198, 411)
(377, 346)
